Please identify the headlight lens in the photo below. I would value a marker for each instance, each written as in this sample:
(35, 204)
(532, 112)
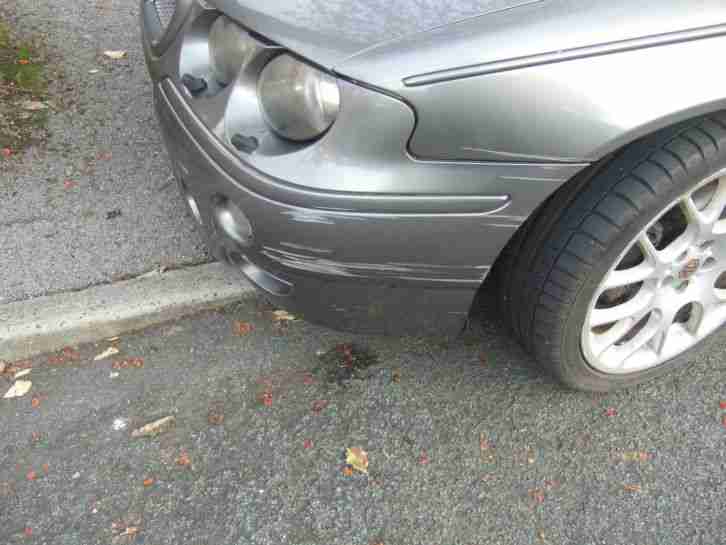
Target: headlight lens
(229, 49)
(299, 101)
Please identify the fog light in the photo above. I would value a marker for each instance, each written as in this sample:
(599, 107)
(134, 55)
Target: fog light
(232, 222)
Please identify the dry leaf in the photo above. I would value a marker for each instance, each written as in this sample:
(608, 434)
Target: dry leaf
(633, 488)
(19, 389)
(537, 495)
(34, 105)
(149, 482)
(396, 376)
(111, 351)
(155, 428)
(35, 402)
(130, 531)
(183, 459)
(282, 316)
(636, 456)
(115, 55)
(243, 328)
(46, 468)
(348, 471)
(135, 363)
(357, 458)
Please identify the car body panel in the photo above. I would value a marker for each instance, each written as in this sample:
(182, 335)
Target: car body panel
(329, 31)
(382, 223)
(549, 80)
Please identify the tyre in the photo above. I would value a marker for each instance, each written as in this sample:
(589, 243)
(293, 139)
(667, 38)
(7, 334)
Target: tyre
(621, 276)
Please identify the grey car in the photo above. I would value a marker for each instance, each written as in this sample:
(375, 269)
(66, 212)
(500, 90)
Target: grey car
(369, 163)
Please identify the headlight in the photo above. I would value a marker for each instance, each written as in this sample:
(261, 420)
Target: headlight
(299, 101)
(229, 49)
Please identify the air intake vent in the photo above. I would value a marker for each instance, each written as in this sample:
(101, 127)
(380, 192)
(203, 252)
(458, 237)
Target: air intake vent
(165, 10)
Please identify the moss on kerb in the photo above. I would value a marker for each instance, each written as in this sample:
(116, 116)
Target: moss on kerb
(23, 79)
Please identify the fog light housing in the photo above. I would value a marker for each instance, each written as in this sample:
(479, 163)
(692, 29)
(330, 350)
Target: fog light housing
(232, 222)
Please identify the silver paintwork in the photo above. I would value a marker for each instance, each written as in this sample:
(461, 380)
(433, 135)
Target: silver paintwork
(457, 119)
(643, 332)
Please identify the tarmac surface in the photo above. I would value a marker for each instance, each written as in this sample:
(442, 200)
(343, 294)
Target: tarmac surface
(468, 443)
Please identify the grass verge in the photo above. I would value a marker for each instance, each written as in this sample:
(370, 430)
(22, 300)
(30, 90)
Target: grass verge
(23, 91)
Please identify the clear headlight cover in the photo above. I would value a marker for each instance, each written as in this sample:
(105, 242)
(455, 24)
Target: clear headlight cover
(229, 49)
(299, 101)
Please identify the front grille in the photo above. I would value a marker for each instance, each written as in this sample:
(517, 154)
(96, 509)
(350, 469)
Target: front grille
(165, 10)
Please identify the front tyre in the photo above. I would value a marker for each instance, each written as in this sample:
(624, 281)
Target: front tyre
(621, 276)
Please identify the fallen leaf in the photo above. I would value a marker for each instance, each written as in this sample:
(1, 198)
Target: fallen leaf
(531, 457)
(348, 471)
(46, 468)
(68, 354)
(633, 488)
(307, 444)
(243, 328)
(155, 428)
(31, 475)
(636, 456)
(215, 416)
(33, 105)
(396, 376)
(23, 62)
(611, 411)
(115, 55)
(19, 389)
(282, 316)
(319, 406)
(541, 536)
(130, 531)
(110, 351)
(22, 373)
(537, 495)
(129, 363)
(357, 458)
(183, 459)
(149, 482)
(35, 402)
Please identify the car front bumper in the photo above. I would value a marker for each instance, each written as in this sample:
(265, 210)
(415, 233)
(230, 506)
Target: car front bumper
(337, 232)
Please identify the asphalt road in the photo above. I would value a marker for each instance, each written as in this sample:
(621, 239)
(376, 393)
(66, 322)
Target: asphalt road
(468, 443)
(120, 214)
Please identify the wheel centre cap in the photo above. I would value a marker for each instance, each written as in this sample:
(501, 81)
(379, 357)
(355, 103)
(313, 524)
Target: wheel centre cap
(690, 268)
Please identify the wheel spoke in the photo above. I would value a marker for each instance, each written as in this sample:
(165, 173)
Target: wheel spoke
(715, 207)
(634, 275)
(638, 304)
